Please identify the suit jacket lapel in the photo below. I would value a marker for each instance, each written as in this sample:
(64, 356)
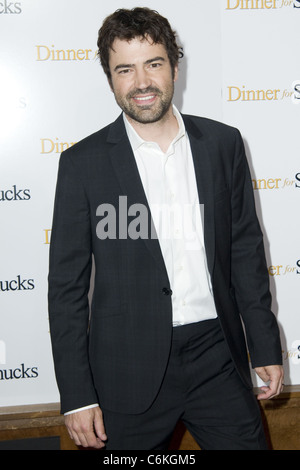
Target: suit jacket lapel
(205, 183)
(126, 170)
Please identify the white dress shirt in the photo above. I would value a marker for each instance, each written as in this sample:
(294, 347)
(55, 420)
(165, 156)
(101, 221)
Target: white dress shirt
(170, 186)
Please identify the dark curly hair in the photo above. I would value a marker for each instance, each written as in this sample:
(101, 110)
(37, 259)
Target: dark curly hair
(126, 24)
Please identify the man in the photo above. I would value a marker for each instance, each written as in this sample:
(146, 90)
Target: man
(164, 340)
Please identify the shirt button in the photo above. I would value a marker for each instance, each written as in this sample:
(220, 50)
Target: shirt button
(167, 291)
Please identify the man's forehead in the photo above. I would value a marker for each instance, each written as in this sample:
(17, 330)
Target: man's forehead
(135, 44)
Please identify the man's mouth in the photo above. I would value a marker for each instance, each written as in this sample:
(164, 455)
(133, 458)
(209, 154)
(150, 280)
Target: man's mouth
(145, 99)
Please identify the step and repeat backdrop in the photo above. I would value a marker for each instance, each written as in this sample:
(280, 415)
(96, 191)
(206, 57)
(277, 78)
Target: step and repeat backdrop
(241, 66)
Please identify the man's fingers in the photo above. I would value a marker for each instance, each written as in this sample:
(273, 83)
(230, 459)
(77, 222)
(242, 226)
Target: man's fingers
(74, 436)
(267, 393)
(86, 428)
(99, 428)
(89, 439)
(273, 375)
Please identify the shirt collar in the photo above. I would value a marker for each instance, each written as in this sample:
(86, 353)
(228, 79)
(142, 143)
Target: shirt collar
(136, 141)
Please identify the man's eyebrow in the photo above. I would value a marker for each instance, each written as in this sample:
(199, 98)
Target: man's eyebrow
(123, 66)
(149, 61)
(155, 59)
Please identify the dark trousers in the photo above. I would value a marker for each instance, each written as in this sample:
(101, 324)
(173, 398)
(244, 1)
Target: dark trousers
(203, 390)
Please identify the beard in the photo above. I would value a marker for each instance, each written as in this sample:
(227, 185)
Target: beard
(146, 114)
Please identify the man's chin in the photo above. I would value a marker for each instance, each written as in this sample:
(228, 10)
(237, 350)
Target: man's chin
(146, 115)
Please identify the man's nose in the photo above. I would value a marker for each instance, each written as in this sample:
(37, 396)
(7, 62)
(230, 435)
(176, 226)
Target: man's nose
(142, 79)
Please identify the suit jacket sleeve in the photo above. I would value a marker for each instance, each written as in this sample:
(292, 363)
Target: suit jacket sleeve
(69, 280)
(250, 279)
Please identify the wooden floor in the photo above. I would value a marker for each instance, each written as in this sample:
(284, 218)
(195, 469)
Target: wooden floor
(42, 425)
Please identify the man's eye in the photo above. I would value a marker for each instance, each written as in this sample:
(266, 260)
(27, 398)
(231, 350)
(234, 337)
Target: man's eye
(155, 65)
(124, 71)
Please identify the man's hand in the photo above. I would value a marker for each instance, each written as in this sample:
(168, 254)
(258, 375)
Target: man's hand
(86, 428)
(273, 375)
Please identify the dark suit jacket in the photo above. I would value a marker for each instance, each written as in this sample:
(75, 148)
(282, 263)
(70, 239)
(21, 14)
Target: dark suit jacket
(119, 353)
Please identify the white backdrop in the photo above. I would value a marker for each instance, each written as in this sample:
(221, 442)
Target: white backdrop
(240, 67)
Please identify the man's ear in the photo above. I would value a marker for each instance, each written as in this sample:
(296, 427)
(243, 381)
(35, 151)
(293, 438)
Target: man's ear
(110, 84)
(175, 73)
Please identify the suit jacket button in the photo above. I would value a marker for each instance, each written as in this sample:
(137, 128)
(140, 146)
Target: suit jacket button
(167, 291)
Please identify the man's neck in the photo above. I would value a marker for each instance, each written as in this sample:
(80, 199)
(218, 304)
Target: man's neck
(162, 132)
